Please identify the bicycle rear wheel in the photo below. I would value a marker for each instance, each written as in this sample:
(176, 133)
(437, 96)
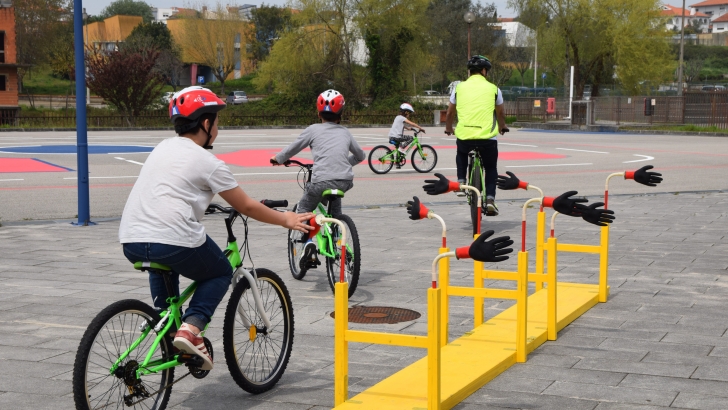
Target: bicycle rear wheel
(426, 161)
(380, 159)
(257, 356)
(353, 255)
(475, 210)
(109, 335)
(295, 252)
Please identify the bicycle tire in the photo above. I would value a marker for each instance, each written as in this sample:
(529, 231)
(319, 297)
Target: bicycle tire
(277, 304)
(104, 325)
(475, 211)
(333, 267)
(429, 152)
(377, 153)
(295, 251)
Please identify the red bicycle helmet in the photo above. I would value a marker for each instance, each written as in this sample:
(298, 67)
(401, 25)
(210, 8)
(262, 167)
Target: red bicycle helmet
(194, 101)
(330, 101)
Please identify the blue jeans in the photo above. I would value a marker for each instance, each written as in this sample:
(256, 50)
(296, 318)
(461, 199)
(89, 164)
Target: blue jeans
(206, 265)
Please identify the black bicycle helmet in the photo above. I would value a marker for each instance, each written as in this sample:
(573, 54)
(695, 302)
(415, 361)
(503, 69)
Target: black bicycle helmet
(479, 62)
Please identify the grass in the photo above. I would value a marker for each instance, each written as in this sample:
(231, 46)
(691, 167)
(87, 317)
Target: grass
(40, 81)
(683, 128)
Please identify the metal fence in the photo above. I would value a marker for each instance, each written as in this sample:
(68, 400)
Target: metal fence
(707, 109)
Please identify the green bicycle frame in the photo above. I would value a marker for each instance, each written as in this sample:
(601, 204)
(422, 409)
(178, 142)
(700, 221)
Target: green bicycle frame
(395, 152)
(481, 188)
(325, 242)
(172, 314)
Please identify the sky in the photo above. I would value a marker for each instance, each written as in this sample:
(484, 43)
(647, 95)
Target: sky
(94, 7)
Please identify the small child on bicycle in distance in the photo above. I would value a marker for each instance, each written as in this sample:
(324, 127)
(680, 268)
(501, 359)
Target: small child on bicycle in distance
(161, 218)
(330, 145)
(402, 122)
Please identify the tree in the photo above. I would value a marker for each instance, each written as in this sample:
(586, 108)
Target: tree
(129, 8)
(37, 27)
(269, 22)
(125, 78)
(596, 37)
(157, 36)
(216, 39)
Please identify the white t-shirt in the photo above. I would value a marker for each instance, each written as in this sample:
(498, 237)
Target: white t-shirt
(175, 186)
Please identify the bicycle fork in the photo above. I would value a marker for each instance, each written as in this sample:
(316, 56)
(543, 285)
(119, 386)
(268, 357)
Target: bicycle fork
(253, 282)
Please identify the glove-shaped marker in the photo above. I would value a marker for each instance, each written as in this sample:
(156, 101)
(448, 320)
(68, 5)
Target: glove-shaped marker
(416, 210)
(510, 182)
(481, 250)
(563, 204)
(599, 217)
(440, 186)
(644, 177)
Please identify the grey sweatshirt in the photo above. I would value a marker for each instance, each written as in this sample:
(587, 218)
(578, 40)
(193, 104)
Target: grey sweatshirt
(330, 145)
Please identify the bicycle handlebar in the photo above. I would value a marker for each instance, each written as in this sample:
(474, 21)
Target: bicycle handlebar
(292, 161)
(212, 208)
(272, 203)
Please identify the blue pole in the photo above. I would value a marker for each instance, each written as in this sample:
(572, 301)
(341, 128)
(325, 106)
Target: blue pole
(84, 213)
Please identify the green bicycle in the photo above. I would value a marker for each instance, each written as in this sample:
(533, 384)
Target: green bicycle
(328, 239)
(126, 358)
(475, 178)
(382, 158)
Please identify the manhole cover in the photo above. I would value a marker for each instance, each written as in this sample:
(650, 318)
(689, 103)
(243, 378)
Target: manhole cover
(380, 314)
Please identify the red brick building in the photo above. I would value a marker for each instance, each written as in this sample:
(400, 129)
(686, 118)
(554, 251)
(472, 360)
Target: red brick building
(8, 66)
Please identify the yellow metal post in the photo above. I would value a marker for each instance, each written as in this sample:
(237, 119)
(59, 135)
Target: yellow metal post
(522, 307)
(341, 346)
(478, 284)
(603, 264)
(551, 272)
(540, 229)
(444, 274)
(434, 322)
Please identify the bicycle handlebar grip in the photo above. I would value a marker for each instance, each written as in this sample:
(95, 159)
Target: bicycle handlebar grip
(271, 203)
(316, 227)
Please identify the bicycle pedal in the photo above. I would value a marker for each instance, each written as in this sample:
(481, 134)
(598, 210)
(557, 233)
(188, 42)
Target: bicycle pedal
(190, 360)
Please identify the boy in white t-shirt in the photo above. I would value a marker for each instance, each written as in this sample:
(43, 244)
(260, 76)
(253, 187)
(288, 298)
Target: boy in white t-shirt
(161, 219)
(401, 123)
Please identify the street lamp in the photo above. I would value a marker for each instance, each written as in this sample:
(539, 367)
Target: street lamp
(469, 18)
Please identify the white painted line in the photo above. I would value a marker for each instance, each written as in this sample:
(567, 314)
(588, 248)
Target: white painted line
(130, 176)
(266, 173)
(583, 150)
(15, 179)
(128, 160)
(550, 165)
(518, 145)
(645, 158)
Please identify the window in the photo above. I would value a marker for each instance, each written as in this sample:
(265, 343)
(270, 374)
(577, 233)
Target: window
(3, 83)
(2, 48)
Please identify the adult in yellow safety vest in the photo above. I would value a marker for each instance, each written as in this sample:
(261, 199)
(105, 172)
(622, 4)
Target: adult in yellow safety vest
(479, 107)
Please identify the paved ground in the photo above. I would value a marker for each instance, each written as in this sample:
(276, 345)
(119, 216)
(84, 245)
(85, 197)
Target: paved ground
(554, 161)
(659, 342)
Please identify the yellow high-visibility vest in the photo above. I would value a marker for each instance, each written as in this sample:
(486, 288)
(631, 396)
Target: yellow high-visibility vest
(475, 103)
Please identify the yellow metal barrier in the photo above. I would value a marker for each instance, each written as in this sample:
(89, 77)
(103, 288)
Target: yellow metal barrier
(432, 342)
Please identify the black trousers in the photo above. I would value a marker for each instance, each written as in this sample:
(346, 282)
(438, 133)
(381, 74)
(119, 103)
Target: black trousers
(488, 153)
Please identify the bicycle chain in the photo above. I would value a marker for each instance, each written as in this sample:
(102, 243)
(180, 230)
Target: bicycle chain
(151, 394)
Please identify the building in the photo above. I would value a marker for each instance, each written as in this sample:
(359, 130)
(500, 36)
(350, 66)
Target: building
(246, 11)
(516, 33)
(105, 35)
(712, 8)
(720, 24)
(693, 18)
(8, 65)
(162, 14)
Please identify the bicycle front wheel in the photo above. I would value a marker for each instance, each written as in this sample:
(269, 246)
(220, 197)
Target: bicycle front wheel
(256, 355)
(111, 333)
(295, 251)
(426, 161)
(352, 260)
(381, 159)
(475, 210)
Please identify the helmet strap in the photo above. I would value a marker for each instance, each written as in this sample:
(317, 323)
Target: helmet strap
(209, 136)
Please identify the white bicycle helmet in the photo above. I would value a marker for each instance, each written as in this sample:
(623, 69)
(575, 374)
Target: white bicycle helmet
(406, 107)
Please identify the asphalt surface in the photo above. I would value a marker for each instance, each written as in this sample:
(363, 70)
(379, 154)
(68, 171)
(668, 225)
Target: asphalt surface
(554, 161)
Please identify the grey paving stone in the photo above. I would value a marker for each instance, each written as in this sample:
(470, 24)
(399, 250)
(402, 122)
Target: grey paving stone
(700, 401)
(640, 345)
(30, 400)
(520, 400)
(660, 369)
(575, 374)
(610, 393)
(625, 406)
(514, 383)
(674, 384)
(718, 371)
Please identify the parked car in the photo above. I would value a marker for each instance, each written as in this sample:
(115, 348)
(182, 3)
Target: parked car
(713, 88)
(237, 97)
(520, 90)
(431, 92)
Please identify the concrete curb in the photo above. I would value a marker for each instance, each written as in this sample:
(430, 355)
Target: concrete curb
(611, 129)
